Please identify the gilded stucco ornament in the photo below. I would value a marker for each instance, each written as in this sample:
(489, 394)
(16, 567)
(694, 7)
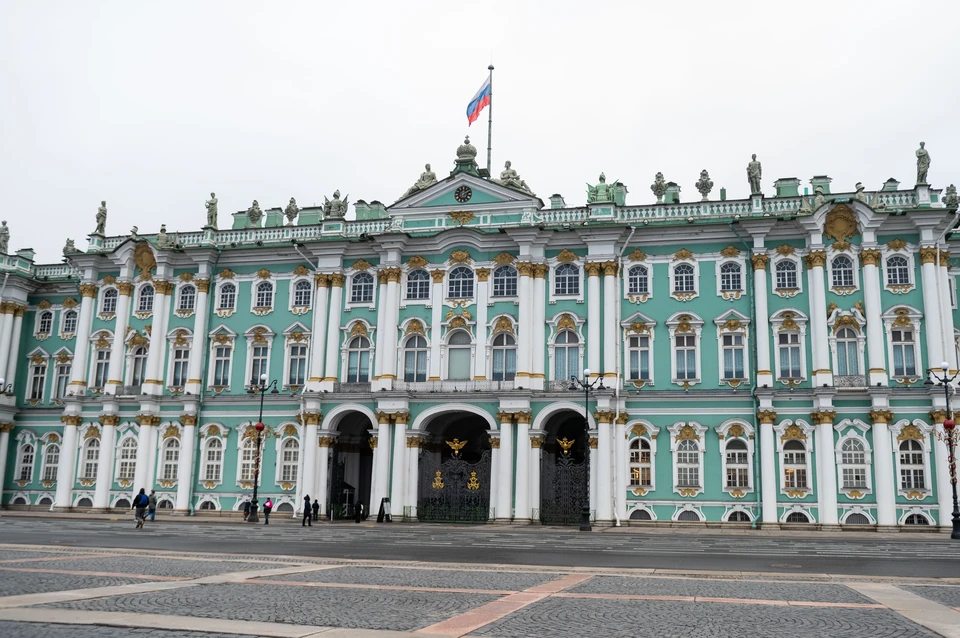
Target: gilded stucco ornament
(950, 198)
(427, 179)
(923, 163)
(730, 252)
(683, 255)
(659, 187)
(637, 255)
(566, 322)
(754, 172)
(841, 223)
(704, 185)
(335, 208)
(566, 256)
(254, 213)
(459, 257)
(785, 250)
(291, 211)
(144, 259)
(896, 244)
(510, 177)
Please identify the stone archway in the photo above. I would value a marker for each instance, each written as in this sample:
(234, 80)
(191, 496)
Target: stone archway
(563, 472)
(454, 469)
(350, 466)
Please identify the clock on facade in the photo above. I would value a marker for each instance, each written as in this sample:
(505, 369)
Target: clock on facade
(463, 194)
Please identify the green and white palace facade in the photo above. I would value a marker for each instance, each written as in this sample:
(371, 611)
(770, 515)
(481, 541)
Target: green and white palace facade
(763, 360)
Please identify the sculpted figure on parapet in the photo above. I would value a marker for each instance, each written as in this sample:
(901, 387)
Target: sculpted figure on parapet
(211, 205)
(923, 163)
(509, 177)
(101, 219)
(754, 173)
(427, 179)
(335, 208)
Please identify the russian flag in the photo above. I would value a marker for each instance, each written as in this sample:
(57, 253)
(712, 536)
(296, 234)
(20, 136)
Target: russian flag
(479, 101)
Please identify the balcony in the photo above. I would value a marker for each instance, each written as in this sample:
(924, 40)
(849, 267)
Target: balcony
(482, 385)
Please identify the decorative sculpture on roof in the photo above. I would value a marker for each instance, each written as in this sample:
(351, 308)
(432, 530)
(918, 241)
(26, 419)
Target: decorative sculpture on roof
(754, 172)
(510, 178)
(876, 203)
(211, 205)
(291, 211)
(466, 151)
(335, 208)
(163, 241)
(923, 164)
(818, 198)
(860, 195)
(950, 199)
(4, 237)
(70, 249)
(805, 206)
(704, 185)
(466, 161)
(427, 179)
(659, 187)
(101, 219)
(254, 213)
(602, 192)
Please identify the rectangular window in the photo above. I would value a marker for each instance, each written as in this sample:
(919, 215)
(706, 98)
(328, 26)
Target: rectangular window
(639, 351)
(688, 477)
(221, 366)
(181, 358)
(458, 366)
(737, 477)
(50, 465)
(733, 357)
(90, 462)
(214, 459)
(358, 366)
(854, 477)
(795, 478)
(504, 364)
(63, 380)
(298, 365)
(904, 359)
(789, 344)
(686, 348)
(415, 365)
(258, 366)
(912, 479)
(38, 378)
(102, 370)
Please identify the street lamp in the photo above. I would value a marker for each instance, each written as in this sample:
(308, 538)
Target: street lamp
(262, 388)
(586, 385)
(950, 435)
(5, 388)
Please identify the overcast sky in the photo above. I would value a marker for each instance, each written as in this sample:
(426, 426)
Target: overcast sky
(153, 105)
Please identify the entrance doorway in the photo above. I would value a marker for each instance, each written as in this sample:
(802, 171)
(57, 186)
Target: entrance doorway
(351, 467)
(454, 481)
(563, 472)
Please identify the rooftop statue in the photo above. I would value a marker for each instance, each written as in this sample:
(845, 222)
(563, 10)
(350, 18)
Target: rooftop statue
(291, 211)
(510, 178)
(805, 206)
(101, 219)
(860, 195)
(876, 203)
(4, 238)
(754, 171)
(923, 164)
(254, 213)
(602, 192)
(69, 249)
(335, 208)
(704, 185)
(211, 205)
(950, 199)
(818, 198)
(427, 179)
(659, 187)
(133, 234)
(163, 241)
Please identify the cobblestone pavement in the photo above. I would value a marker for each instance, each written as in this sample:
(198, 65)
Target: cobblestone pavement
(44, 630)
(949, 596)
(16, 583)
(445, 579)
(167, 567)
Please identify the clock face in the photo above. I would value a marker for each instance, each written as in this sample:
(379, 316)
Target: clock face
(463, 194)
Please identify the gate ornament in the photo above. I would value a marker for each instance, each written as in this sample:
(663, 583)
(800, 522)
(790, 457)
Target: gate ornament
(473, 483)
(566, 444)
(456, 445)
(438, 481)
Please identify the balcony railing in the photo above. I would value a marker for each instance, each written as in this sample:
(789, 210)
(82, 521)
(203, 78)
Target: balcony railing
(850, 381)
(128, 390)
(351, 388)
(453, 386)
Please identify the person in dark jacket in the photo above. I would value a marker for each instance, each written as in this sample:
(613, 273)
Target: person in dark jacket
(316, 510)
(306, 512)
(266, 511)
(246, 510)
(140, 502)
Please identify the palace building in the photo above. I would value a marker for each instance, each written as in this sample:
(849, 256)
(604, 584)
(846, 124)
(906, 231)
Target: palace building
(756, 361)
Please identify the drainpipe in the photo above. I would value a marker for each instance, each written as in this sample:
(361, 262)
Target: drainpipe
(619, 348)
(753, 380)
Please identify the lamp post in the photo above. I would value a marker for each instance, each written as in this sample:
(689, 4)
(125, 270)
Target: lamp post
(262, 388)
(576, 384)
(950, 435)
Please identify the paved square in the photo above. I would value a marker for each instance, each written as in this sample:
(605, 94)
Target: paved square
(440, 578)
(945, 595)
(42, 630)
(17, 583)
(147, 565)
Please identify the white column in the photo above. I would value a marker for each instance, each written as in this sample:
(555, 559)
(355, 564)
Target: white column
(946, 317)
(188, 447)
(390, 326)
(602, 461)
(108, 445)
(539, 326)
(198, 346)
(436, 324)
(593, 318)
(7, 310)
(5, 429)
(536, 443)
(480, 360)
(762, 329)
(883, 468)
(398, 492)
(505, 473)
(332, 372)
(524, 326)
(822, 371)
(78, 372)
(620, 464)
(768, 468)
(876, 361)
(522, 503)
(67, 469)
(115, 374)
(827, 463)
(153, 435)
(381, 461)
(381, 322)
(610, 324)
(310, 446)
(593, 477)
(153, 382)
(931, 308)
(11, 376)
(495, 473)
(323, 472)
(942, 473)
(318, 337)
(413, 474)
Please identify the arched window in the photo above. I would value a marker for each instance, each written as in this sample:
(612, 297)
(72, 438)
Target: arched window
(358, 360)
(418, 284)
(904, 352)
(228, 297)
(188, 298)
(51, 460)
(302, 291)
(122, 504)
(566, 355)
(145, 302)
(638, 347)
(738, 517)
(730, 279)
(916, 519)
(689, 516)
(415, 359)
(70, 322)
(688, 464)
(290, 459)
(361, 288)
(208, 505)
(842, 267)
(165, 504)
(786, 273)
(460, 283)
(108, 303)
(794, 465)
(738, 464)
(898, 271)
(566, 280)
(797, 517)
(26, 463)
(458, 356)
(91, 458)
(247, 456)
(640, 515)
(504, 357)
(638, 280)
(911, 465)
(127, 468)
(505, 282)
(848, 359)
(856, 518)
(683, 279)
(171, 460)
(853, 458)
(138, 365)
(46, 323)
(213, 460)
(641, 463)
(264, 295)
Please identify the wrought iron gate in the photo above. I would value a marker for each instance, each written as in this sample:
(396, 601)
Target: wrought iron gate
(454, 491)
(340, 507)
(561, 490)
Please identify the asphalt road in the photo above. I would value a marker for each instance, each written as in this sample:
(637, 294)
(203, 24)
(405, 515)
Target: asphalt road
(922, 555)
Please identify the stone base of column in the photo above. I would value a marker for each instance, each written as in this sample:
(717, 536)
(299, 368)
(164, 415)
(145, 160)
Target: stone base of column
(822, 378)
(383, 383)
(764, 379)
(878, 378)
(523, 381)
(504, 521)
(537, 381)
(152, 388)
(193, 389)
(326, 385)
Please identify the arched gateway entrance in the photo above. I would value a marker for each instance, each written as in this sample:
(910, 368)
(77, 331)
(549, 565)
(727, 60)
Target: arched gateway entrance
(351, 466)
(563, 471)
(454, 468)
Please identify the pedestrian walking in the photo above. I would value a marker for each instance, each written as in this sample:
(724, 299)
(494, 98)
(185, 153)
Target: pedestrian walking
(246, 510)
(152, 505)
(316, 510)
(140, 502)
(266, 511)
(307, 519)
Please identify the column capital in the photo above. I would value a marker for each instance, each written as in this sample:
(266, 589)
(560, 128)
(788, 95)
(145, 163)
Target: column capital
(88, 290)
(188, 419)
(593, 443)
(823, 417)
(437, 275)
(163, 287)
(494, 442)
(881, 416)
(593, 268)
(760, 261)
(110, 419)
(400, 418)
(505, 417)
(414, 441)
(767, 417)
(540, 271)
(310, 418)
(536, 442)
(870, 257)
(392, 275)
(610, 268)
(71, 419)
(816, 259)
(148, 419)
(322, 280)
(19, 310)
(622, 418)
(383, 418)
(328, 441)
(6, 427)
(944, 257)
(336, 280)
(938, 416)
(525, 268)
(603, 416)
(203, 285)
(928, 255)
(483, 274)
(524, 416)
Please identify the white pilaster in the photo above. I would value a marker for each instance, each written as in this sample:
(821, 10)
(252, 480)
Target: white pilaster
(188, 451)
(381, 461)
(11, 376)
(604, 467)
(78, 373)
(941, 472)
(108, 445)
(67, 470)
(153, 435)
(398, 493)
(153, 382)
(198, 346)
(436, 324)
(762, 329)
(323, 474)
(822, 371)
(932, 312)
(6, 331)
(876, 360)
(524, 326)
(522, 503)
(390, 339)
(5, 429)
(413, 474)
(620, 465)
(768, 471)
(494, 472)
(536, 443)
(827, 469)
(332, 371)
(483, 293)
(318, 336)
(594, 495)
(886, 489)
(115, 374)
(505, 469)
(381, 353)
(610, 328)
(593, 319)
(310, 447)
(946, 316)
(538, 376)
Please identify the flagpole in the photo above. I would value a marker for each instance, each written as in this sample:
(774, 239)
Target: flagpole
(490, 121)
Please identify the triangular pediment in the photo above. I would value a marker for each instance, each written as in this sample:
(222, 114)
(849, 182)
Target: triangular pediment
(465, 192)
